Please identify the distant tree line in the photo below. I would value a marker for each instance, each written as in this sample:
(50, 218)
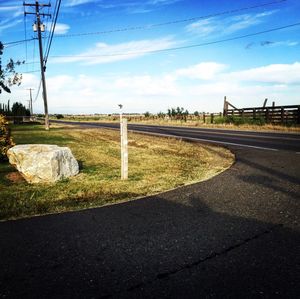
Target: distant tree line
(17, 109)
(178, 113)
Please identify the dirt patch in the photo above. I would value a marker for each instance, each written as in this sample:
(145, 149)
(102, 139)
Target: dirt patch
(15, 177)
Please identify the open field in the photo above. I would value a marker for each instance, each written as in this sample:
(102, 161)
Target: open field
(155, 165)
(191, 121)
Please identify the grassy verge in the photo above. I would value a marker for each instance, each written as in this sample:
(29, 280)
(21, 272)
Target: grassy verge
(155, 165)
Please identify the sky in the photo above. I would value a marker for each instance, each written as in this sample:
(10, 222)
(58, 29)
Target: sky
(153, 55)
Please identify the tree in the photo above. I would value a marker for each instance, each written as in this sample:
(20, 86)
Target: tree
(18, 109)
(5, 140)
(8, 74)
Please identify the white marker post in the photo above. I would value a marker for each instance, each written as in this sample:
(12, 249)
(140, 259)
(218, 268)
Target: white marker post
(124, 146)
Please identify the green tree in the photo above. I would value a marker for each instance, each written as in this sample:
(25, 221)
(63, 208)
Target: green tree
(19, 109)
(5, 140)
(8, 74)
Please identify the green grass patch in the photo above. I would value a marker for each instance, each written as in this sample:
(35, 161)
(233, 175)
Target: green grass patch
(155, 165)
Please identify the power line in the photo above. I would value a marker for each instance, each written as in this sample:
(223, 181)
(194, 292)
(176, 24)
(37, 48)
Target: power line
(183, 47)
(52, 32)
(150, 26)
(25, 32)
(29, 72)
(38, 91)
(19, 41)
(51, 26)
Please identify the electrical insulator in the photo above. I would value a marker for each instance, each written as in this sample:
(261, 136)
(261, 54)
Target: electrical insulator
(35, 28)
(42, 27)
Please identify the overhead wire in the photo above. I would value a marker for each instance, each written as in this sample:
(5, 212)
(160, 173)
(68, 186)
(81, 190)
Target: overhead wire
(50, 27)
(182, 47)
(52, 32)
(19, 41)
(25, 32)
(38, 91)
(150, 26)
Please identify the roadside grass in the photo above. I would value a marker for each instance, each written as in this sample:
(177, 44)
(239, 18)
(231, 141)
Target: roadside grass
(218, 123)
(155, 164)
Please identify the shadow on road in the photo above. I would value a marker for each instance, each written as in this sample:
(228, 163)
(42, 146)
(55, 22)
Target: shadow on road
(167, 246)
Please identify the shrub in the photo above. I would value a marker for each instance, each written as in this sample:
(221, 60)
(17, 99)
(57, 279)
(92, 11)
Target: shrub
(5, 140)
(59, 116)
(237, 120)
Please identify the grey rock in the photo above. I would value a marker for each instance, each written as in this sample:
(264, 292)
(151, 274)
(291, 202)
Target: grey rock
(43, 163)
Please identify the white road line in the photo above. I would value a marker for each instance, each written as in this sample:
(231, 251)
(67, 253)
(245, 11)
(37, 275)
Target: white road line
(234, 134)
(207, 140)
(198, 139)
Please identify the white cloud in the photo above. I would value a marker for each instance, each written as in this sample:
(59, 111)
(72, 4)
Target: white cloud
(154, 93)
(105, 53)
(147, 85)
(9, 8)
(275, 73)
(162, 2)
(202, 71)
(60, 28)
(228, 25)
(77, 2)
(9, 24)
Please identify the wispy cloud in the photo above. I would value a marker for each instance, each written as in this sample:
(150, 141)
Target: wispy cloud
(268, 43)
(71, 3)
(8, 24)
(229, 25)
(9, 13)
(162, 2)
(60, 28)
(137, 7)
(106, 53)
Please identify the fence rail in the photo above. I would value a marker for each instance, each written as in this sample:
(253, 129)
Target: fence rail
(19, 119)
(271, 114)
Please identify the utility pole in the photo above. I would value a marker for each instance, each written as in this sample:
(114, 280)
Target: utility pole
(30, 103)
(39, 27)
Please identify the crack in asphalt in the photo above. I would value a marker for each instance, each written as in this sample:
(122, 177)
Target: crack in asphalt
(211, 256)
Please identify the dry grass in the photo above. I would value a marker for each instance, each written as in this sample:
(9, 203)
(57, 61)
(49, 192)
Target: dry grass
(155, 165)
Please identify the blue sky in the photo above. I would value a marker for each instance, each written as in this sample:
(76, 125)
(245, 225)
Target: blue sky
(110, 52)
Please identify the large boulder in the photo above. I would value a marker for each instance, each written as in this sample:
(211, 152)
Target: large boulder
(43, 163)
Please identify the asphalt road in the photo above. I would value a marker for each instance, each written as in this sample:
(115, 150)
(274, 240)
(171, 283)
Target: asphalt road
(233, 236)
(262, 140)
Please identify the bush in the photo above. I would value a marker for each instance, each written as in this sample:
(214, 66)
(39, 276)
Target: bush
(237, 120)
(5, 139)
(59, 116)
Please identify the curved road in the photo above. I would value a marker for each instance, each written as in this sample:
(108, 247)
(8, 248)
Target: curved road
(248, 139)
(233, 236)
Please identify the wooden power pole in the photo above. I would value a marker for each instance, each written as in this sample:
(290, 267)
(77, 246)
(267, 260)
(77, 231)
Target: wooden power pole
(39, 27)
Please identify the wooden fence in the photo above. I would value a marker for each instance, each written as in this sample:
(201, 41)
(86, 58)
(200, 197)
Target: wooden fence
(271, 114)
(19, 119)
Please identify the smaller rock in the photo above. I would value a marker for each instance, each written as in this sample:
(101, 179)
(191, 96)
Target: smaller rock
(43, 163)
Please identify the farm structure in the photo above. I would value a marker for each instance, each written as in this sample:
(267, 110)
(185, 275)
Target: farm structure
(289, 114)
